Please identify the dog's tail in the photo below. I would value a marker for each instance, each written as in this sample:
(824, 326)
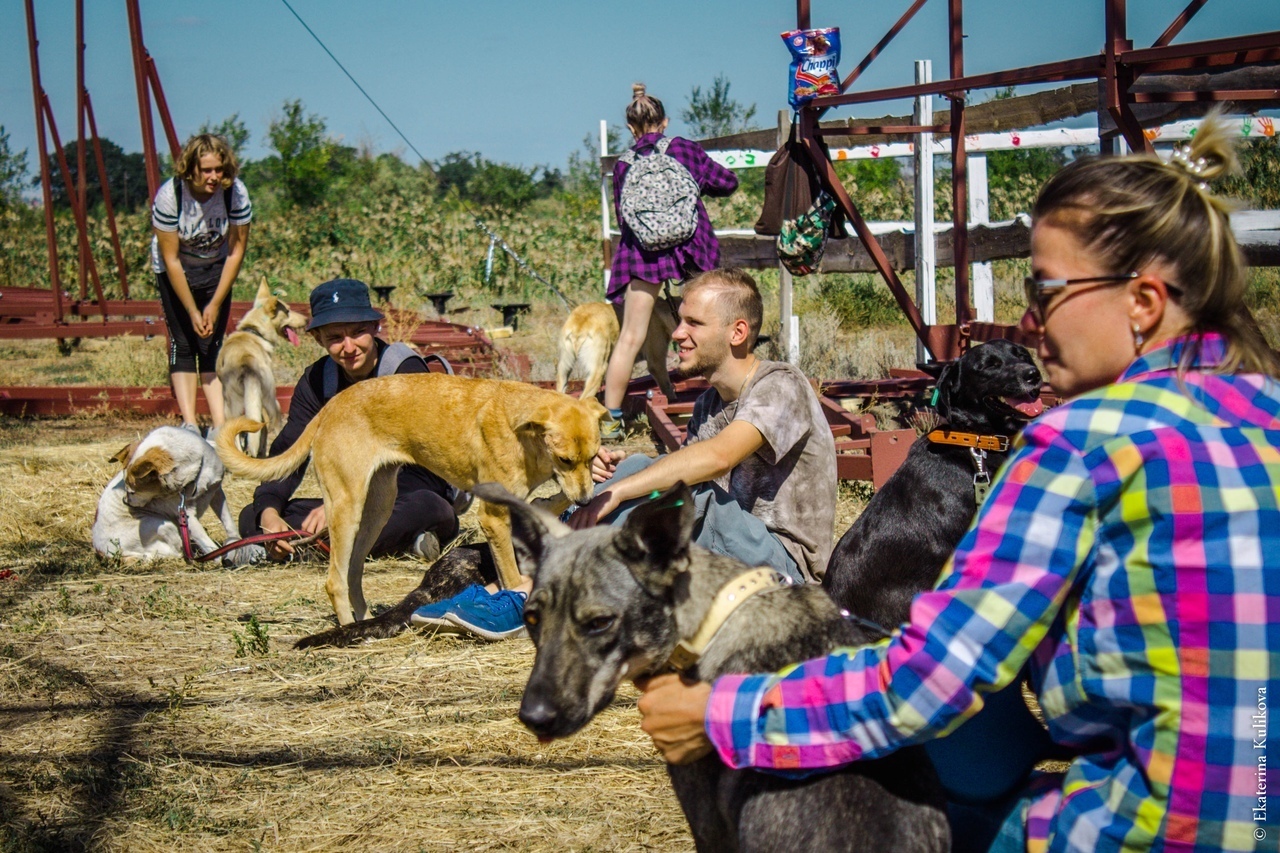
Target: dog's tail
(445, 578)
(270, 468)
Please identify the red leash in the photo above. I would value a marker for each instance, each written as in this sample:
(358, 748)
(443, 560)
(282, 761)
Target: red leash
(303, 539)
(185, 530)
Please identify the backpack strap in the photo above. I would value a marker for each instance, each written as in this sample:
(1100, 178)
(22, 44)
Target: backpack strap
(392, 357)
(226, 196)
(395, 355)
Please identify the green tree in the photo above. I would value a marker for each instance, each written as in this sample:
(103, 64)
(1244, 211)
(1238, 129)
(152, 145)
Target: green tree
(714, 113)
(13, 172)
(501, 185)
(583, 176)
(126, 176)
(233, 130)
(456, 170)
(305, 154)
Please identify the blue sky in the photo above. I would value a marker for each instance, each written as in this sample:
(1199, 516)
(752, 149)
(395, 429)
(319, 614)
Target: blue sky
(520, 82)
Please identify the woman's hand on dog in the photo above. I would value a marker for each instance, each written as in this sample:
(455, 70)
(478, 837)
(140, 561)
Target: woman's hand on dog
(674, 714)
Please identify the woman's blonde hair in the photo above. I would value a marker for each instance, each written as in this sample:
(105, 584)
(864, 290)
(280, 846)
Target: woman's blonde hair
(200, 145)
(1137, 209)
(645, 113)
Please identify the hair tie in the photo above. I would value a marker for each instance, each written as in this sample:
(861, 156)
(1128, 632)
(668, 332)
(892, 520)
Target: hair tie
(1180, 158)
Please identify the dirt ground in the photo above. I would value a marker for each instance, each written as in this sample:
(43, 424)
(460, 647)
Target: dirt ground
(161, 707)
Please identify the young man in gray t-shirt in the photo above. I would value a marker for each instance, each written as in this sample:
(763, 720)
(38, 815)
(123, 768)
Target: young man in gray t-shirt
(758, 449)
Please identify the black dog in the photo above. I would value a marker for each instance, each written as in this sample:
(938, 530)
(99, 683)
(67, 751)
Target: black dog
(613, 602)
(898, 546)
(457, 569)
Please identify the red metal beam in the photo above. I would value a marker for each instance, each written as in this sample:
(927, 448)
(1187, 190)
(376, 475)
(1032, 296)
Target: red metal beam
(108, 207)
(1179, 22)
(1050, 72)
(881, 45)
(175, 148)
(77, 211)
(85, 257)
(1235, 50)
(144, 98)
(46, 181)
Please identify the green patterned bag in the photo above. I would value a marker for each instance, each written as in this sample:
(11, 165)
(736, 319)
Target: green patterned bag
(802, 241)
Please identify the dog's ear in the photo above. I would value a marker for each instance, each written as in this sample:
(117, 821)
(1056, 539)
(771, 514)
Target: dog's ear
(536, 421)
(531, 528)
(124, 454)
(264, 292)
(597, 409)
(655, 538)
(948, 385)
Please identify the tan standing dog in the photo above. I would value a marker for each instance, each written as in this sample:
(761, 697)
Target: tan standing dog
(467, 431)
(244, 364)
(589, 335)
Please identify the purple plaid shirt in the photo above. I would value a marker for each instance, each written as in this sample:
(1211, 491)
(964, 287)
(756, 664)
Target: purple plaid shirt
(700, 252)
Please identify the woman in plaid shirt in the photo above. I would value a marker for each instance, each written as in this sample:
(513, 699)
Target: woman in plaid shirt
(1128, 555)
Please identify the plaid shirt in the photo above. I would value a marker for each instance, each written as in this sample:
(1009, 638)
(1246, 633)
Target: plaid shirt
(700, 252)
(1130, 551)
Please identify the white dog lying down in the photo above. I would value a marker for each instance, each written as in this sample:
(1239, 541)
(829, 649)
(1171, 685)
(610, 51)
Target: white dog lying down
(137, 516)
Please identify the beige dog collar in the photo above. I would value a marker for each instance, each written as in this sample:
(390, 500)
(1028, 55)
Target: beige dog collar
(730, 597)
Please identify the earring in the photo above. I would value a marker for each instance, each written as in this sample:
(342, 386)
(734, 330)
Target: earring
(1137, 340)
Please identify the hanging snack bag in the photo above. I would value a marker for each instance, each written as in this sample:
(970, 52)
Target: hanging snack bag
(814, 57)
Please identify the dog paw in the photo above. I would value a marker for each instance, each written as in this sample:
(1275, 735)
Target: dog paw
(246, 555)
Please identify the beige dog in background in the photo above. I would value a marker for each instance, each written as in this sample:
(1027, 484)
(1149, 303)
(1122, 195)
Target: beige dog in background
(245, 367)
(589, 335)
(466, 431)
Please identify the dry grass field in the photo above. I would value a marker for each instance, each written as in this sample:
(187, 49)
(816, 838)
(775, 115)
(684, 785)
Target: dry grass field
(161, 707)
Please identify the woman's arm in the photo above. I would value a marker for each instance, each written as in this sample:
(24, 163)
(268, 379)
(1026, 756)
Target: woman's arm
(972, 635)
(169, 244)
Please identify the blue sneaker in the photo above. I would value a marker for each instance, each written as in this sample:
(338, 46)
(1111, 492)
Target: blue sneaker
(433, 614)
(497, 617)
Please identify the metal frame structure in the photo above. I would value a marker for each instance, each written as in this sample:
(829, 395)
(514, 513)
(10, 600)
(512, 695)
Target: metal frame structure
(1116, 68)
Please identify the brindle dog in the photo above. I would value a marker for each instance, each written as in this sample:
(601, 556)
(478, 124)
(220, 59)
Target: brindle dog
(612, 602)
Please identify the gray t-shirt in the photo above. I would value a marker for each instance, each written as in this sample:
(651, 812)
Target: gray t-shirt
(790, 482)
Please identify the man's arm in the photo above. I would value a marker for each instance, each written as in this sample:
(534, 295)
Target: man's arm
(694, 463)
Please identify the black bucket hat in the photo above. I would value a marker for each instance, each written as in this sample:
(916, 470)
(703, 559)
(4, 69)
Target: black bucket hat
(342, 300)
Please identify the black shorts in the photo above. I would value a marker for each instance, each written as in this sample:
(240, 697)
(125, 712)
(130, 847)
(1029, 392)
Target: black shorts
(188, 352)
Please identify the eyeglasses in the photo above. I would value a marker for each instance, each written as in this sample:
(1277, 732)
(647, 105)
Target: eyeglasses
(1040, 291)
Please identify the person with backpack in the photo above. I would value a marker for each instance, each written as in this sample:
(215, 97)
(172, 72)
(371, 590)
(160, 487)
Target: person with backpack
(200, 221)
(666, 233)
(425, 514)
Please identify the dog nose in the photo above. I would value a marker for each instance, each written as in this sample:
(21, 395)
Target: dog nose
(537, 714)
(1031, 374)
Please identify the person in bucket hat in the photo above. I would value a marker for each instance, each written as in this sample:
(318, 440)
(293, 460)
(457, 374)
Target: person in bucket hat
(345, 324)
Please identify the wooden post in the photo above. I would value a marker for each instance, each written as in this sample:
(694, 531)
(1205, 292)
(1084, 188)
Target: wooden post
(984, 291)
(604, 203)
(926, 250)
(789, 330)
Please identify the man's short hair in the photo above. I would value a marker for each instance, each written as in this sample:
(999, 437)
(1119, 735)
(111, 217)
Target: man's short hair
(737, 297)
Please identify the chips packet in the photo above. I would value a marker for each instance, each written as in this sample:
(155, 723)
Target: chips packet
(814, 56)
